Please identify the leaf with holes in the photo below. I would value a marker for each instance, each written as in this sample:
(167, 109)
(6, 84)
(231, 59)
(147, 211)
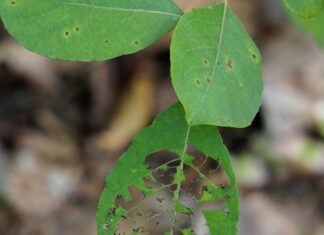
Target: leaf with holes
(305, 8)
(86, 30)
(215, 68)
(172, 177)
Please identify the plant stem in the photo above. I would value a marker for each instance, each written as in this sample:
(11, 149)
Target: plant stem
(177, 192)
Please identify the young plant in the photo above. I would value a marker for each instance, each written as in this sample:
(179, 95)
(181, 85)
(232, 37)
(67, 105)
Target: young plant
(216, 73)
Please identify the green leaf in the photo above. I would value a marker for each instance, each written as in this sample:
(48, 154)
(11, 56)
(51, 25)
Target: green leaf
(87, 30)
(215, 68)
(187, 232)
(305, 8)
(312, 26)
(169, 195)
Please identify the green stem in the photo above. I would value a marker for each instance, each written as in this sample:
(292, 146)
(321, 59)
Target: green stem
(177, 192)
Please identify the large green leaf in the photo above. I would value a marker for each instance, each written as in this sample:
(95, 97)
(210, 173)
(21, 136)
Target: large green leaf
(215, 68)
(88, 29)
(305, 8)
(182, 185)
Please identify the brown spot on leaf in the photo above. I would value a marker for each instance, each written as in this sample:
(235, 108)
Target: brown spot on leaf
(227, 197)
(229, 63)
(112, 211)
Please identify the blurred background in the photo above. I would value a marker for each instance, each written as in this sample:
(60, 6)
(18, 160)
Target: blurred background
(63, 125)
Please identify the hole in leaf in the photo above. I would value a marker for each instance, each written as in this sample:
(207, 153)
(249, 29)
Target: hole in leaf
(147, 215)
(136, 43)
(77, 29)
(197, 82)
(67, 33)
(163, 165)
(105, 226)
(149, 206)
(209, 167)
(226, 210)
(205, 61)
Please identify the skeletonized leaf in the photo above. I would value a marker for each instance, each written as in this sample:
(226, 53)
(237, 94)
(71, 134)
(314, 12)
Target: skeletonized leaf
(162, 184)
(215, 68)
(305, 8)
(88, 29)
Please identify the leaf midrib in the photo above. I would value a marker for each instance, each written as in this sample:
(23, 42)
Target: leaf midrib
(215, 64)
(119, 9)
(177, 192)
